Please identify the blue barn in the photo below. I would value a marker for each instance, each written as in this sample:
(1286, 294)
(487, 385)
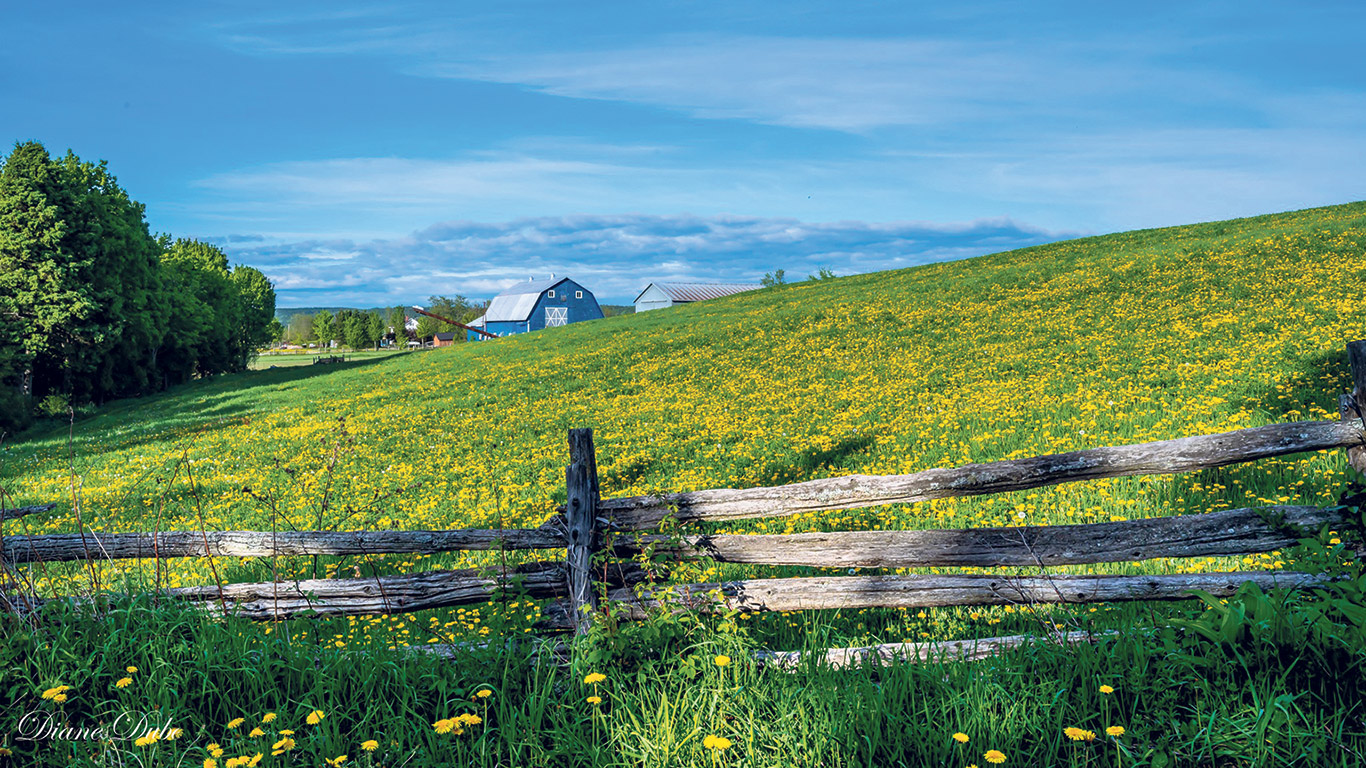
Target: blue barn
(535, 305)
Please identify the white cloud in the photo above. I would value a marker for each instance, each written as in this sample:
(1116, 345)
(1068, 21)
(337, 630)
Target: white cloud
(615, 256)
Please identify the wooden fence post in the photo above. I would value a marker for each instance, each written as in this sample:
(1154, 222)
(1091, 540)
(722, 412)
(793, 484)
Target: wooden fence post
(581, 521)
(1351, 407)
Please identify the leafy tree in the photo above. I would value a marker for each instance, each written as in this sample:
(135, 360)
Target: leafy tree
(376, 330)
(322, 327)
(457, 308)
(355, 328)
(774, 278)
(205, 339)
(300, 330)
(427, 328)
(821, 274)
(255, 309)
(92, 306)
(45, 304)
(397, 322)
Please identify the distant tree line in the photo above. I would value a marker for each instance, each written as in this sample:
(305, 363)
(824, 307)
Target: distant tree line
(94, 307)
(369, 329)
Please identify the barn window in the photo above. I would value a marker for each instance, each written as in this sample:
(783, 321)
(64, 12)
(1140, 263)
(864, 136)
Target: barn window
(552, 293)
(578, 294)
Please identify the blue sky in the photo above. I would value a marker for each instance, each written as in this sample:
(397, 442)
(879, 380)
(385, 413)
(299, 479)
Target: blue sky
(368, 153)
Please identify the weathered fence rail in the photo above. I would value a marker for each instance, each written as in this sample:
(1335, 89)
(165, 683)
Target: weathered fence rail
(592, 530)
(18, 512)
(1213, 534)
(820, 593)
(1164, 457)
(80, 546)
(378, 595)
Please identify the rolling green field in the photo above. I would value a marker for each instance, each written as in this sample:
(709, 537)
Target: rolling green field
(1100, 341)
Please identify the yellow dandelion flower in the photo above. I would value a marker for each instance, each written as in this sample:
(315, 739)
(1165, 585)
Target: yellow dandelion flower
(209, 762)
(131, 670)
(469, 719)
(256, 732)
(315, 717)
(283, 745)
(594, 678)
(1106, 689)
(286, 732)
(960, 737)
(484, 693)
(254, 761)
(53, 693)
(594, 699)
(215, 749)
(269, 717)
(123, 682)
(236, 723)
(994, 756)
(722, 661)
(370, 745)
(173, 733)
(1077, 734)
(716, 742)
(4, 752)
(444, 726)
(1115, 730)
(336, 761)
(148, 739)
(59, 698)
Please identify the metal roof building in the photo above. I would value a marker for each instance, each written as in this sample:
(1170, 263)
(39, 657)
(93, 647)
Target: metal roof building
(661, 295)
(535, 305)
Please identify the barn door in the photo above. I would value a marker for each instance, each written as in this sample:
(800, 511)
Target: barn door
(556, 316)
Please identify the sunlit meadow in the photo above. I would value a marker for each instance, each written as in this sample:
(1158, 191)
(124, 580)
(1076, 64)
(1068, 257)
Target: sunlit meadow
(1102, 341)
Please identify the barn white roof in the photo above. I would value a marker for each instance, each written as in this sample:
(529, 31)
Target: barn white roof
(514, 305)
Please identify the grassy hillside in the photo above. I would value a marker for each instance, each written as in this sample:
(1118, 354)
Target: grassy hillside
(1104, 340)
(1107, 340)
(1099, 341)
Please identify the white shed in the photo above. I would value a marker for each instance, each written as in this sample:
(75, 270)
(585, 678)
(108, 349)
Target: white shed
(661, 295)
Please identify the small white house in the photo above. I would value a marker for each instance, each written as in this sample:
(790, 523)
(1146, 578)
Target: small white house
(661, 295)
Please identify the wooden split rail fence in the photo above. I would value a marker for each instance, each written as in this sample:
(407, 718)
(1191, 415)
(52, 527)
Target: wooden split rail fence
(596, 533)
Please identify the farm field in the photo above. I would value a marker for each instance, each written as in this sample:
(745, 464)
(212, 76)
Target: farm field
(1100, 341)
(294, 357)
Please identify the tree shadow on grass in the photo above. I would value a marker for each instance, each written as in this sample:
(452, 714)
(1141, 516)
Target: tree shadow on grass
(195, 408)
(810, 464)
(1313, 383)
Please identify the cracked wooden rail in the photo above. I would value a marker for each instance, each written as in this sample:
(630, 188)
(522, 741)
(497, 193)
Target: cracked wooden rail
(114, 546)
(941, 591)
(364, 596)
(1213, 534)
(17, 512)
(1163, 457)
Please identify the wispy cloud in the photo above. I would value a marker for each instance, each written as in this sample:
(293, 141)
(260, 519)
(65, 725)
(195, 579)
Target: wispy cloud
(615, 256)
(978, 71)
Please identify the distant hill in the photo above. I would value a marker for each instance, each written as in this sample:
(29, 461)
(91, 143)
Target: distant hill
(284, 313)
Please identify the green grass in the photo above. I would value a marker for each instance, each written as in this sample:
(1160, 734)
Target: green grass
(289, 358)
(1100, 341)
(1270, 696)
